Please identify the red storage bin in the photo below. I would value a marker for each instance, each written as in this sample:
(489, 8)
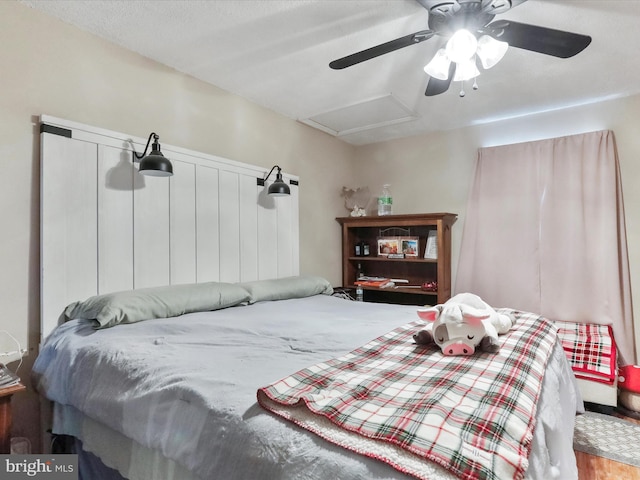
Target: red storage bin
(629, 378)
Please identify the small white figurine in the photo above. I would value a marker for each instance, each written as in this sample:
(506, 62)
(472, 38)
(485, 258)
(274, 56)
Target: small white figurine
(358, 212)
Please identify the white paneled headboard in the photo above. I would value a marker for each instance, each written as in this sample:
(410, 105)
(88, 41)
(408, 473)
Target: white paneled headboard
(105, 227)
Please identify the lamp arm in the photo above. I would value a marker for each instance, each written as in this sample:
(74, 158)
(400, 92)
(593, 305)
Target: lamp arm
(271, 171)
(155, 138)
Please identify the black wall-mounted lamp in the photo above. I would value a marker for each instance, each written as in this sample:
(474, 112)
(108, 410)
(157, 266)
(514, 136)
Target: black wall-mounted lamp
(277, 188)
(155, 164)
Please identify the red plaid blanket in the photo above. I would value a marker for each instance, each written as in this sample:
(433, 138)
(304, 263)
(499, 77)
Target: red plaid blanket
(401, 403)
(591, 350)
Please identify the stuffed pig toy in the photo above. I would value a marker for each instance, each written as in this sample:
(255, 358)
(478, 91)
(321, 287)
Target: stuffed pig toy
(463, 324)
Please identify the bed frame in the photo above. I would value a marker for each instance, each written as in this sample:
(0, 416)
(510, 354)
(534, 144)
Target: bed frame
(105, 227)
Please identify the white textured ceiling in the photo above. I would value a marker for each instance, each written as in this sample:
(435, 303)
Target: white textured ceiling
(276, 54)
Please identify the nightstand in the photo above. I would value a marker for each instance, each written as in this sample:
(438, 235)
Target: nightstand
(5, 416)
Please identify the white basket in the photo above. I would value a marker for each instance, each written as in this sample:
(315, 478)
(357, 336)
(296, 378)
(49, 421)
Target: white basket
(630, 400)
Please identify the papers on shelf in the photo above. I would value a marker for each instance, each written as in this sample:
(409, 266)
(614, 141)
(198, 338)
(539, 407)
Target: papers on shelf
(431, 250)
(382, 282)
(7, 377)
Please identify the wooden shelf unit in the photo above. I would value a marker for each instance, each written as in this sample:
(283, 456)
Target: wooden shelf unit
(417, 270)
(5, 416)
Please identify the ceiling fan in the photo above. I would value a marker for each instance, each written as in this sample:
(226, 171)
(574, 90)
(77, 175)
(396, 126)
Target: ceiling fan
(448, 17)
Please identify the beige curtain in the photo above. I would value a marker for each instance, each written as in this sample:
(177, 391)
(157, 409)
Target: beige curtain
(545, 232)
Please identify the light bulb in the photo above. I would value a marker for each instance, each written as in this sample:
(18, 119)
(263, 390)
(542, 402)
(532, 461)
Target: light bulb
(461, 46)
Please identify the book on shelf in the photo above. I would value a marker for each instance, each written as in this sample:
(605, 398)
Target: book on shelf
(371, 283)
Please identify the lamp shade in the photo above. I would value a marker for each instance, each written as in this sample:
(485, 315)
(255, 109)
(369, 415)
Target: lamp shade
(279, 188)
(155, 164)
(491, 51)
(466, 71)
(438, 67)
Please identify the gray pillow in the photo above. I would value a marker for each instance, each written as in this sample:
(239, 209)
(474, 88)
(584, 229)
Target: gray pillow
(287, 287)
(158, 302)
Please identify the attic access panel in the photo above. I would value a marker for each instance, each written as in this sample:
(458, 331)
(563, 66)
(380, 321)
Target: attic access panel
(372, 113)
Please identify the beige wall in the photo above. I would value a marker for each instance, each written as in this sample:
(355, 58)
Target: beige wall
(48, 67)
(52, 68)
(433, 173)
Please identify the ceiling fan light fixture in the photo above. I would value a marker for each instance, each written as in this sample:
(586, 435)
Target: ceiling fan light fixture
(438, 67)
(476, 17)
(491, 51)
(466, 71)
(461, 46)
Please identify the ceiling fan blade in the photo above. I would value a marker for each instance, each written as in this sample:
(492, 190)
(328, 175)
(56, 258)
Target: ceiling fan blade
(437, 86)
(492, 6)
(557, 43)
(381, 49)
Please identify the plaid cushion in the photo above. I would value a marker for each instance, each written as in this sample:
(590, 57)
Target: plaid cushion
(474, 416)
(591, 350)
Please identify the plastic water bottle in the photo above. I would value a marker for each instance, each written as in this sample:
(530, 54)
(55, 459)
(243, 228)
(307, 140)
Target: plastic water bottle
(385, 202)
(359, 294)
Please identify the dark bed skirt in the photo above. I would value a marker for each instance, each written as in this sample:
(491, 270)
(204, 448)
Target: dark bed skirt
(90, 467)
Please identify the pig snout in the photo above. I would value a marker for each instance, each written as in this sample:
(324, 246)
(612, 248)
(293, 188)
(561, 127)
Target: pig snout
(458, 348)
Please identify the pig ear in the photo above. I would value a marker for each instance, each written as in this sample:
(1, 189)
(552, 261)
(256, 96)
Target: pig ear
(474, 316)
(469, 312)
(430, 314)
(473, 320)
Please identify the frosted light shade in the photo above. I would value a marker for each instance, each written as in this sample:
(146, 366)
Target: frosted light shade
(466, 71)
(438, 67)
(461, 46)
(491, 51)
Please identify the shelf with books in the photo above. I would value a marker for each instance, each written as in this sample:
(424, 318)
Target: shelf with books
(385, 259)
(398, 245)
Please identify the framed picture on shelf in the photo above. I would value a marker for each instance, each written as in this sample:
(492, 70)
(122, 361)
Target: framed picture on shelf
(388, 246)
(410, 246)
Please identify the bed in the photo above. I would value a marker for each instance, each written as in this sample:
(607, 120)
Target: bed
(177, 397)
(170, 389)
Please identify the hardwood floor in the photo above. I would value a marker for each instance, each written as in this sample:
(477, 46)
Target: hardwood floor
(598, 468)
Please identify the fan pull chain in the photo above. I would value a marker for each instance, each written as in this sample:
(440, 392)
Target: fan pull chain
(462, 92)
(475, 79)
